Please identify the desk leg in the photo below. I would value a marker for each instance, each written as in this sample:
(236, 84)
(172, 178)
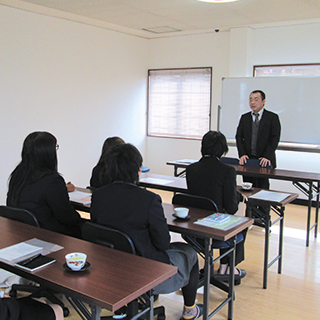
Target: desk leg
(231, 280)
(266, 250)
(95, 312)
(281, 240)
(207, 275)
(175, 172)
(309, 213)
(317, 212)
(151, 307)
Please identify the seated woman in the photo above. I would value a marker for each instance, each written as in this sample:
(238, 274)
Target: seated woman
(99, 177)
(138, 212)
(211, 178)
(36, 185)
(28, 309)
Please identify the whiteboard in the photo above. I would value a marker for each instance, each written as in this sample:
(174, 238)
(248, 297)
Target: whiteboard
(295, 99)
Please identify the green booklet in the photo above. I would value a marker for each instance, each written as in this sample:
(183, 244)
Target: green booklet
(221, 221)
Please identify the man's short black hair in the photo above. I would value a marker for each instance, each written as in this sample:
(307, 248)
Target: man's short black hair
(263, 95)
(214, 144)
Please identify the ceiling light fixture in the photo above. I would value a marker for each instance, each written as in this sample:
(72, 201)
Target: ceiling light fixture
(217, 1)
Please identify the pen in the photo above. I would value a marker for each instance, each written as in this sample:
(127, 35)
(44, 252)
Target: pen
(26, 261)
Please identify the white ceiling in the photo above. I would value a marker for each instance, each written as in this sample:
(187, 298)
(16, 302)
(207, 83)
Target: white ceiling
(174, 17)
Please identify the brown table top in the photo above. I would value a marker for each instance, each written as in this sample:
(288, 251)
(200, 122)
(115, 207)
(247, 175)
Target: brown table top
(278, 174)
(188, 227)
(284, 202)
(162, 182)
(114, 278)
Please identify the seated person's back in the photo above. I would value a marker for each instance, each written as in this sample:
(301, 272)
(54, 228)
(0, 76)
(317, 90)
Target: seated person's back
(36, 185)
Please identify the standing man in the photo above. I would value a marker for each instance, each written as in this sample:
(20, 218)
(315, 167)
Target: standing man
(258, 135)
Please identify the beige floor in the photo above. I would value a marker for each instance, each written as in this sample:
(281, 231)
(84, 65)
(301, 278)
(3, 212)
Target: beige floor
(292, 295)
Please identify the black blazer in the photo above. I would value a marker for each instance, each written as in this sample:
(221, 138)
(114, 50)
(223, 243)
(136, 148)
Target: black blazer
(215, 180)
(268, 136)
(136, 212)
(48, 200)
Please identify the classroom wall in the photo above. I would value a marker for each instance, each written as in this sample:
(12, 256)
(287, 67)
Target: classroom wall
(79, 82)
(233, 54)
(85, 83)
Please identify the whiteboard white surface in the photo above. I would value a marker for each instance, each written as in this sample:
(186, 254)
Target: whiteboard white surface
(295, 99)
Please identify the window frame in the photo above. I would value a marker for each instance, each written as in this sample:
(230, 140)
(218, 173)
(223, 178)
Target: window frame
(148, 103)
(255, 67)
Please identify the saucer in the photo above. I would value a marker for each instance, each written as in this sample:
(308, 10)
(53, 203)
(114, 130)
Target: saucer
(187, 218)
(85, 267)
(246, 189)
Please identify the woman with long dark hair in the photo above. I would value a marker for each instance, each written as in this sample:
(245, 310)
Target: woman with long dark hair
(36, 185)
(99, 176)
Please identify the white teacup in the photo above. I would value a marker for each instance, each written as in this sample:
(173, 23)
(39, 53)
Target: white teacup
(246, 185)
(181, 212)
(76, 260)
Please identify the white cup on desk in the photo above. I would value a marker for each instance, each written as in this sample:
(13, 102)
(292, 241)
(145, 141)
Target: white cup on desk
(181, 212)
(76, 260)
(246, 185)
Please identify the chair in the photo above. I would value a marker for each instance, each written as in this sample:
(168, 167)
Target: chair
(228, 160)
(189, 200)
(118, 240)
(38, 291)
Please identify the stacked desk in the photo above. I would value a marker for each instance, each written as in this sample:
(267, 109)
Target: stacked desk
(176, 184)
(113, 280)
(307, 182)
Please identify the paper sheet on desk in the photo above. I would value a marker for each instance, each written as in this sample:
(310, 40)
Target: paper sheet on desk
(81, 197)
(19, 251)
(270, 196)
(47, 246)
(186, 161)
(155, 181)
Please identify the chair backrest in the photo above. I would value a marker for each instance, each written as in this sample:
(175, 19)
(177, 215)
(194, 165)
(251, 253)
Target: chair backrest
(145, 169)
(18, 214)
(228, 160)
(107, 237)
(190, 200)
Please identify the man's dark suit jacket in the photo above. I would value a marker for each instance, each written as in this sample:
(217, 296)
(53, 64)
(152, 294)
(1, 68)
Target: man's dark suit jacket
(136, 212)
(268, 136)
(215, 180)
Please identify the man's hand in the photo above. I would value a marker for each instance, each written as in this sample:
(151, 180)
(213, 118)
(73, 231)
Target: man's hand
(243, 160)
(264, 162)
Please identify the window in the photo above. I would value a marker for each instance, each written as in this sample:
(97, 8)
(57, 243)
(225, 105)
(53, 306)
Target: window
(286, 70)
(179, 102)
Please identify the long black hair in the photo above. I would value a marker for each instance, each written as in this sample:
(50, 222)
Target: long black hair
(38, 158)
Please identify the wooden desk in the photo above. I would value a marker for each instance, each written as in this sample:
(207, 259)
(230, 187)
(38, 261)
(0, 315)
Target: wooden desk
(113, 280)
(206, 233)
(307, 182)
(162, 182)
(179, 185)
